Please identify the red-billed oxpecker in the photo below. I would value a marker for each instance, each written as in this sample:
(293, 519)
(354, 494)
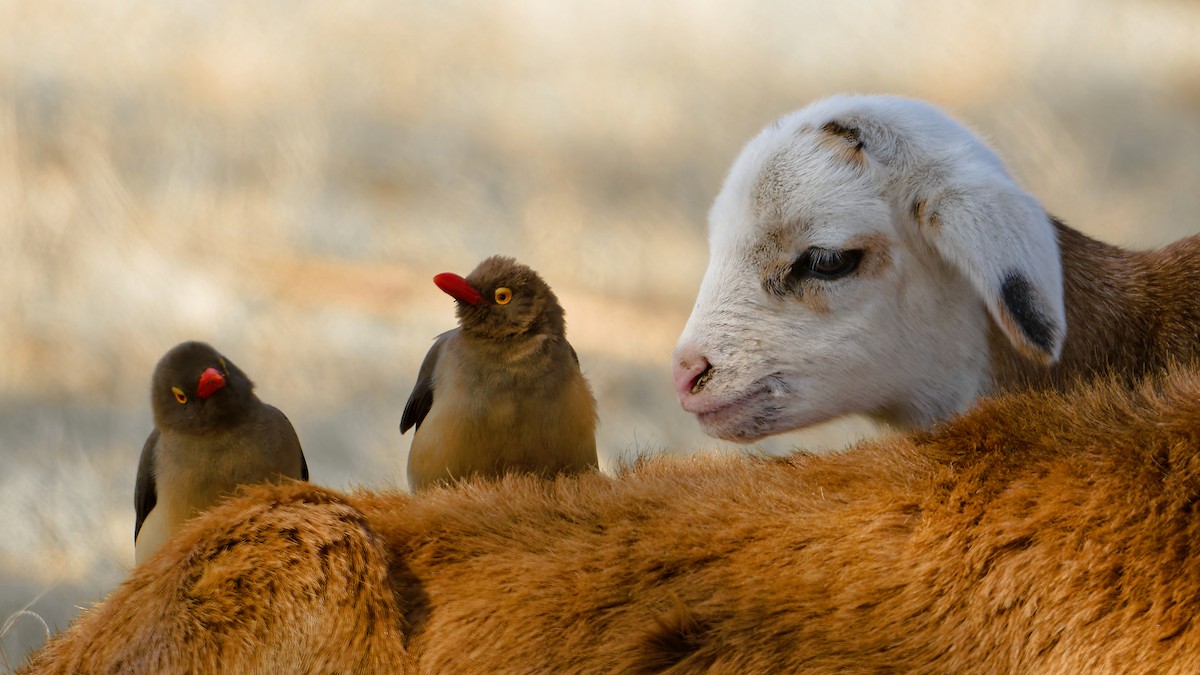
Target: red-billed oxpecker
(211, 434)
(503, 391)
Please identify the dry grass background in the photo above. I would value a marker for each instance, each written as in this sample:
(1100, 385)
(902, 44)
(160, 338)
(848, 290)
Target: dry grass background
(282, 179)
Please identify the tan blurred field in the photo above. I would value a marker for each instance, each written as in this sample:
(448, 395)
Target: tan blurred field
(283, 179)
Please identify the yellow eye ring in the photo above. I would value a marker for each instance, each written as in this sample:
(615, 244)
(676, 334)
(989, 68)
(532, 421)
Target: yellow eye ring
(179, 395)
(503, 295)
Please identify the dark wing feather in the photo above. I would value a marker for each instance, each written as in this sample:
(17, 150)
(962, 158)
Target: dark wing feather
(145, 495)
(421, 398)
(282, 429)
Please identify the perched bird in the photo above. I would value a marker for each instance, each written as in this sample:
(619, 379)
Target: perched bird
(211, 434)
(503, 391)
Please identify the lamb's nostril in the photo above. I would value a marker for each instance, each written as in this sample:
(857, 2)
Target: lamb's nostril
(701, 378)
(691, 372)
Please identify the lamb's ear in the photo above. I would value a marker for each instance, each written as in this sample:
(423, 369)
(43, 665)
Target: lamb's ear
(999, 237)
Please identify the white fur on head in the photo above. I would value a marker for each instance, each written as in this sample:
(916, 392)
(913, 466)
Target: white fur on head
(947, 240)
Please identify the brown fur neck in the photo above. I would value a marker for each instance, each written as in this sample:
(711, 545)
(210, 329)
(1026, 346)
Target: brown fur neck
(1128, 312)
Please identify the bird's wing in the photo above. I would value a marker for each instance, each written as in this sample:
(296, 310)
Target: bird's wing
(282, 440)
(421, 398)
(295, 442)
(573, 354)
(145, 495)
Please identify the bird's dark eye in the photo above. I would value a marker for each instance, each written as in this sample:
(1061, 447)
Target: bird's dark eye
(825, 263)
(179, 395)
(503, 295)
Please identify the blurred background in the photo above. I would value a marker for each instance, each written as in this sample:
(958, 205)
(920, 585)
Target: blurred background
(282, 179)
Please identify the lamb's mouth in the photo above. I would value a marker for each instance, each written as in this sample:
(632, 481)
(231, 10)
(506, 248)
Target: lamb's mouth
(739, 419)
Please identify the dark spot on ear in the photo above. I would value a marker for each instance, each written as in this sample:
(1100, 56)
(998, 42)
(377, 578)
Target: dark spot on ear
(849, 133)
(918, 210)
(1022, 302)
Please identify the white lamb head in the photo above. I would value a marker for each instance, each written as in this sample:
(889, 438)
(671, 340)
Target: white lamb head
(863, 252)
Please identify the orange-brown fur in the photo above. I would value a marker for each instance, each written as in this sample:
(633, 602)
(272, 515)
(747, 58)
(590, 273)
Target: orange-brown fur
(1128, 312)
(1041, 532)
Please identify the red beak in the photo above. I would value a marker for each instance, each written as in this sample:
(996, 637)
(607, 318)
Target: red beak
(458, 288)
(211, 381)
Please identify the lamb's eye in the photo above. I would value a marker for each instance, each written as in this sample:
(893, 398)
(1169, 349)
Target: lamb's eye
(503, 295)
(826, 263)
(179, 395)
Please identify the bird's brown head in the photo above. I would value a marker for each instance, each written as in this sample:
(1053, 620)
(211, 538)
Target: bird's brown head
(195, 389)
(501, 298)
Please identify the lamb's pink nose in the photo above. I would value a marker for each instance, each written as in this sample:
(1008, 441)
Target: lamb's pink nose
(689, 370)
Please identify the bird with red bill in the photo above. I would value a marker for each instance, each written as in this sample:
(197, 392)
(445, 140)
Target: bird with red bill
(503, 391)
(211, 434)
